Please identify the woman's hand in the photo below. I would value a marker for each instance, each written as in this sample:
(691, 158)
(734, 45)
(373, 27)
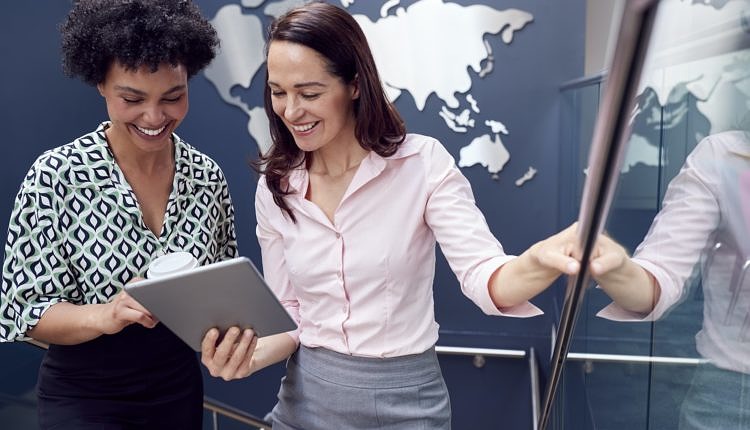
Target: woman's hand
(122, 311)
(558, 252)
(608, 256)
(69, 324)
(232, 358)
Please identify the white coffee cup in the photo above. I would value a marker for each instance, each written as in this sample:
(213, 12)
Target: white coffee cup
(171, 263)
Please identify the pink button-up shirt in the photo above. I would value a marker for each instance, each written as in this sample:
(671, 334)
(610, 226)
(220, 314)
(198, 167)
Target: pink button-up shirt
(362, 284)
(705, 219)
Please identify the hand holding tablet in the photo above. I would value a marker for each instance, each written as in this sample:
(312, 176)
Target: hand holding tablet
(190, 300)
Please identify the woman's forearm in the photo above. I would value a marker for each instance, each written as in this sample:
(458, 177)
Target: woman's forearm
(519, 280)
(271, 350)
(631, 287)
(67, 324)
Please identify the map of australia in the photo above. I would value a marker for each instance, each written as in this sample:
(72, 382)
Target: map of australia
(438, 43)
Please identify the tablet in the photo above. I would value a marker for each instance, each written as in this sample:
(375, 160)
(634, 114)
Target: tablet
(224, 294)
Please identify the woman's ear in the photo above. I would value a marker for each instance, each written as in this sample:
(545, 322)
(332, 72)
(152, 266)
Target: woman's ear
(100, 88)
(355, 87)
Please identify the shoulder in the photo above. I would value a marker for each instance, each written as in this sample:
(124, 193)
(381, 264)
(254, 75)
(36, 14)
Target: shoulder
(735, 142)
(716, 150)
(81, 162)
(421, 146)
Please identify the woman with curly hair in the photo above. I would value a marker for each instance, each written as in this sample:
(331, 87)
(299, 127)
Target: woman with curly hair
(349, 208)
(92, 214)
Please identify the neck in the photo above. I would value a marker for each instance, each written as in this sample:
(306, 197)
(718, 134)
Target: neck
(336, 162)
(130, 158)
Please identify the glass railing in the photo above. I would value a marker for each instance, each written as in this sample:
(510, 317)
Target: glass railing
(687, 366)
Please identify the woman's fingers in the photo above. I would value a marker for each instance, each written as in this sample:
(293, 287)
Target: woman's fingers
(129, 310)
(137, 316)
(246, 364)
(234, 366)
(208, 349)
(606, 262)
(220, 353)
(231, 358)
(559, 259)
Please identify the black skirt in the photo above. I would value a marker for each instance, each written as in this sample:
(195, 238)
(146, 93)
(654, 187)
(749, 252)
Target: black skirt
(137, 379)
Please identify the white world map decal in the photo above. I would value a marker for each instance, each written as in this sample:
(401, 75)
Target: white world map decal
(447, 39)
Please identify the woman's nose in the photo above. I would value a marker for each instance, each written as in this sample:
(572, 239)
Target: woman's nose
(154, 115)
(292, 110)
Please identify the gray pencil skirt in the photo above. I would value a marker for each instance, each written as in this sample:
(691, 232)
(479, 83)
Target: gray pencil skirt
(323, 389)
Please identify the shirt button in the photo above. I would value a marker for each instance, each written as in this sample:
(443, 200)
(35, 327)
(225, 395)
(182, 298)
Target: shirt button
(338, 235)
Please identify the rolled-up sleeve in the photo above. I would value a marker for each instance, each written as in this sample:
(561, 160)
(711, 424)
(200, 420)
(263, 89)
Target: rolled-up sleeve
(35, 269)
(679, 234)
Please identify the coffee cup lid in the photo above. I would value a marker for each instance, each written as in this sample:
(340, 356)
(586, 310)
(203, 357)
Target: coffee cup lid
(171, 263)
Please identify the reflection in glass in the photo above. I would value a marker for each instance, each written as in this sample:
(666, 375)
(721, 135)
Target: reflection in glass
(687, 364)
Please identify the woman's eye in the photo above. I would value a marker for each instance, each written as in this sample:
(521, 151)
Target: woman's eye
(173, 99)
(310, 96)
(277, 93)
(131, 101)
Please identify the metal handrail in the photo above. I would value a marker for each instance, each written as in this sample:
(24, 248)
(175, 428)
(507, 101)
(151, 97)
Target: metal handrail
(534, 381)
(585, 81)
(236, 414)
(459, 350)
(624, 358)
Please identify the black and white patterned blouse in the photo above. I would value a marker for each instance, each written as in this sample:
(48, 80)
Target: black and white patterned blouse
(76, 232)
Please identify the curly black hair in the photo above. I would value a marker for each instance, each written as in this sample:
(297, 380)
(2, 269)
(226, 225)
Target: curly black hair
(135, 33)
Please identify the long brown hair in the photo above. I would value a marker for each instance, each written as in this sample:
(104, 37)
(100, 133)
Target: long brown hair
(333, 33)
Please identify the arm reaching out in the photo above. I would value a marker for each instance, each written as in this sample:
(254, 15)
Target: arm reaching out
(628, 284)
(536, 269)
(68, 324)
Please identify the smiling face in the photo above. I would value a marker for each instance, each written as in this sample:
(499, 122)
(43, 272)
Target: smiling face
(144, 107)
(315, 105)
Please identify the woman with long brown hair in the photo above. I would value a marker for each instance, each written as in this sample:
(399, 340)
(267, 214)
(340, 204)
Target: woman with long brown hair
(350, 207)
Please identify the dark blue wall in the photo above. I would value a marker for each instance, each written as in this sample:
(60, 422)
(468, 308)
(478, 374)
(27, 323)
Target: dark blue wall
(41, 109)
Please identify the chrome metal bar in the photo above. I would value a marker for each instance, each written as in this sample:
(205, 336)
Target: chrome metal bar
(234, 413)
(458, 350)
(534, 381)
(38, 343)
(585, 81)
(619, 358)
(607, 151)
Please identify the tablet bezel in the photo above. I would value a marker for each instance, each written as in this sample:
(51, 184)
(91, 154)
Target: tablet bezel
(223, 294)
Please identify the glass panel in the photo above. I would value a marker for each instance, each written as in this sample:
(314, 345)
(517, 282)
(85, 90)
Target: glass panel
(609, 135)
(707, 91)
(687, 365)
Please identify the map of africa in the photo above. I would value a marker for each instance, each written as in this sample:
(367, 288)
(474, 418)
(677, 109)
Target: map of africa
(416, 30)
